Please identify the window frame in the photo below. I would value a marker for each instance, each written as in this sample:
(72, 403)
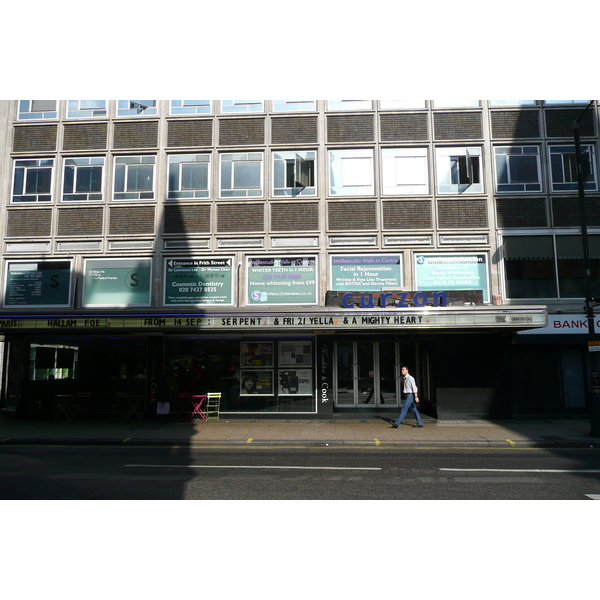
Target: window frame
(335, 105)
(456, 103)
(76, 168)
(511, 187)
(130, 195)
(287, 106)
(347, 155)
(242, 107)
(494, 103)
(457, 177)
(393, 155)
(570, 185)
(30, 115)
(236, 164)
(150, 110)
(188, 193)
(35, 198)
(69, 112)
(402, 104)
(194, 109)
(295, 159)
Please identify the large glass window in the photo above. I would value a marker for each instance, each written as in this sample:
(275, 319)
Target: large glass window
(455, 103)
(563, 165)
(190, 107)
(513, 102)
(294, 105)
(242, 175)
(82, 180)
(86, 109)
(37, 109)
(401, 104)
(404, 171)
(241, 106)
(349, 104)
(518, 169)
(459, 170)
(189, 176)
(134, 177)
(136, 108)
(351, 172)
(294, 173)
(32, 180)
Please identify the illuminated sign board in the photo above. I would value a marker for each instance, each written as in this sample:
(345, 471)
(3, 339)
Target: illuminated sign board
(366, 272)
(36, 284)
(117, 282)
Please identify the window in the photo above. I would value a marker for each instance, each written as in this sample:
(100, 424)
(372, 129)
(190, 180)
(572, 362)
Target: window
(518, 169)
(548, 266)
(404, 171)
(513, 102)
(190, 107)
(86, 108)
(134, 178)
(459, 170)
(242, 175)
(455, 103)
(32, 181)
(241, 106)
(557, 102)
(294, 105)
(351, 172)
(401, 104)
(348, 104)
(294, 173)
(134, 108)
(82, 179)
(37, 109)
(189, 176)
(563, 165)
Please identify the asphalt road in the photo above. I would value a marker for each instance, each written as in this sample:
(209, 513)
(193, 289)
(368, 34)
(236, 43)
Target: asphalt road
(335, 473)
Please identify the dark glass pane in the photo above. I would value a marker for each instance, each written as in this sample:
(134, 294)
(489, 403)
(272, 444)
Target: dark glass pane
(194, 176)
(89, 179)
(38, 181)
(139, 178)
(529, 267)
(68, 180)
(523, 169)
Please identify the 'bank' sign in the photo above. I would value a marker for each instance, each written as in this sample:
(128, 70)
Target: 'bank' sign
(565, 324)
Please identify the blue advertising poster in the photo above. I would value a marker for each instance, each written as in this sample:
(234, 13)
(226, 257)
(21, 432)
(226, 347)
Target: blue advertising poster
(369, 272)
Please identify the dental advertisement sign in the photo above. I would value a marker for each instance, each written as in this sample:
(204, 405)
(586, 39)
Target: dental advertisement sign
(33, 284)
(195, 281)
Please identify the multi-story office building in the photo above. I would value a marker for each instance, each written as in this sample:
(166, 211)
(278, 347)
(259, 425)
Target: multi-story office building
(293, 255)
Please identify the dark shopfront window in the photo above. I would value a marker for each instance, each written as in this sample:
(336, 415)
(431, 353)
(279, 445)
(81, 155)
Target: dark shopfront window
(252, 376)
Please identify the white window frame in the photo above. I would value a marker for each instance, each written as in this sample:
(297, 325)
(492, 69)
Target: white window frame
(456, 103)
(297, 163)
(238, 160)
(401, 104)
(349, 104)
(26, 113)
(187, 159)
(137, 108)
(565, 102)
(190, 107)
(513, 102)
(513, 153)
(91, 161)
(404, 171)
(565, 183)
(294, 105)
(242, 106)
(33, 198)
(459, 170)
(76, 111)
(345, 167)
(129, 163)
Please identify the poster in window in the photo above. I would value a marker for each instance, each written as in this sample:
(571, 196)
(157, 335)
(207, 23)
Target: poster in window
(295, 353)
(295, 382)
(256, 382)
(256, 354)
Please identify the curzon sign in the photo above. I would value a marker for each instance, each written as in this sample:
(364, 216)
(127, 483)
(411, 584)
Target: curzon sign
(401, 299)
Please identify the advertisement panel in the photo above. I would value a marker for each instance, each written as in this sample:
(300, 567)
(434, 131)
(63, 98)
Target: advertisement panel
(452, 272)
(281, 280)
(35, 284)
(117, 282)
(198, 281)
(368, 272)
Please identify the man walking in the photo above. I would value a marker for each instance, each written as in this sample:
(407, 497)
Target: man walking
(410, 390)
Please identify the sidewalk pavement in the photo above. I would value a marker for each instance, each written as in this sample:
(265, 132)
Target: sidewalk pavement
(371, 432)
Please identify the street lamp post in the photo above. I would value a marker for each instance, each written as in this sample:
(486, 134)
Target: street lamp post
(593, 387)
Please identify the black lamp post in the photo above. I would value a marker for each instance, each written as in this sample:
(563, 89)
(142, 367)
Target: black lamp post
(593, 388)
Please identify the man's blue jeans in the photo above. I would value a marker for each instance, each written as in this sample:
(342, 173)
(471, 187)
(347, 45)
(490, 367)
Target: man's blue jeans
(409, 404)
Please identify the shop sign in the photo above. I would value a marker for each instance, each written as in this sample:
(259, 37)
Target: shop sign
(196, 281)
(36, 284)
(117, 282)
(281, 280)
(566, 324)
(368, 272)
(452, 272)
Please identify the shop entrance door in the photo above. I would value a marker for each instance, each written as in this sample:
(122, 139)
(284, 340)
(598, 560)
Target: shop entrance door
(367, 375)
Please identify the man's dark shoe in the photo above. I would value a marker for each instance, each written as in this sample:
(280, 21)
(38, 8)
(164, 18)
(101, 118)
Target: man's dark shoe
(394, 426)
(417, 425)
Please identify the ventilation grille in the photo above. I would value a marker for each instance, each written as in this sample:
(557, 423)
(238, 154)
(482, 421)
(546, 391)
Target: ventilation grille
(565, 212)
(516, 124)
(235, 132)
(85, 136)
(190, 133)
(351, 128)
(132, 220)
(294, 130)
(559, 123)
(80, 221)
(136, 135)
(403, 127)
(462, 214)
(352, 215)
(35, 138)
(295, 217)
(521, 212)
(240, 217)
(28, 223)
(407, 214)
(457, 126)
(187, 219)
